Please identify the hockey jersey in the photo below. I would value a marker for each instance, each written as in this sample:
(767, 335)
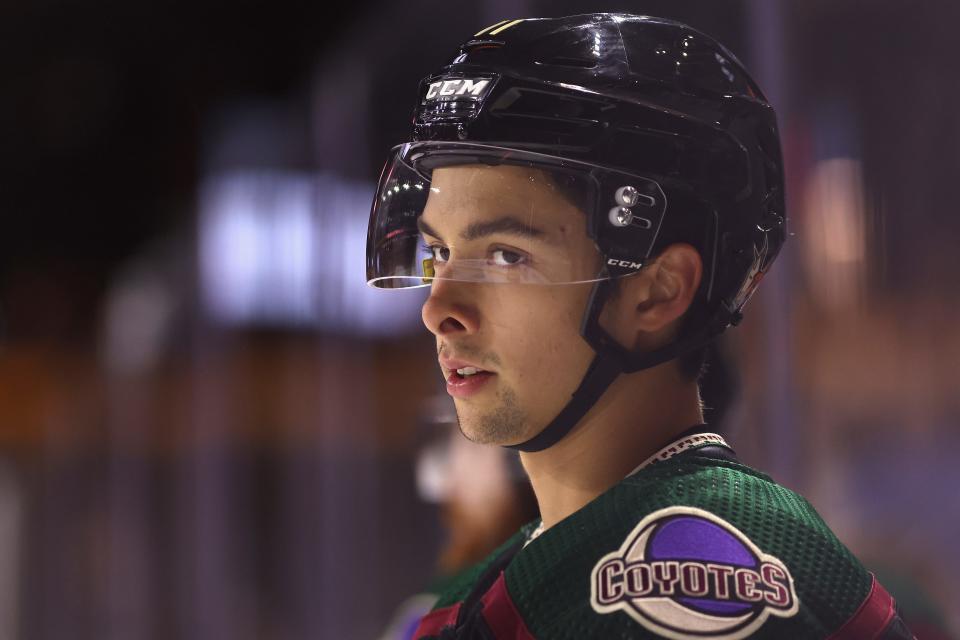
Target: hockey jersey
(693, 544)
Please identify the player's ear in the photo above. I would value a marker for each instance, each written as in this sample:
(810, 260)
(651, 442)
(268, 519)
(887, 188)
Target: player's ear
(647, 307)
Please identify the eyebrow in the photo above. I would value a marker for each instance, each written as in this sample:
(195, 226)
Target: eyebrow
(505, 224)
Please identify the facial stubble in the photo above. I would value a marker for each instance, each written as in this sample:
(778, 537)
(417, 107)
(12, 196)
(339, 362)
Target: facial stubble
(504, 424)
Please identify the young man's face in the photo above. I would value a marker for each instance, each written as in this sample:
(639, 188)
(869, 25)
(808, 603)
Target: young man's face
(503, 239)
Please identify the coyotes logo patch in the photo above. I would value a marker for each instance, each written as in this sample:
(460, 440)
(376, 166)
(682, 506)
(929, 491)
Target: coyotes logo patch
(685, 573)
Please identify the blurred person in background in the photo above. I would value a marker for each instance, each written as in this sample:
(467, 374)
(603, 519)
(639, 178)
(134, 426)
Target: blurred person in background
(592, 200)
(483, 495)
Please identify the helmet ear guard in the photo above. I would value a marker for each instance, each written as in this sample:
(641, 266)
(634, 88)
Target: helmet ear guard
(627, 220)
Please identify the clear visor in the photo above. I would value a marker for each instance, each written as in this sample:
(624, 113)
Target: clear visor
(476, 213)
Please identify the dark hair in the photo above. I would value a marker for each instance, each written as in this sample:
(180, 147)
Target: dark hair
(693, 365)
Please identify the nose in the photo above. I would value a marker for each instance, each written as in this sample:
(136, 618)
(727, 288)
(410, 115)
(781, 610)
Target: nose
(450, 310)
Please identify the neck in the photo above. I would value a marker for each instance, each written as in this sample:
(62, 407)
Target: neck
(632, 420)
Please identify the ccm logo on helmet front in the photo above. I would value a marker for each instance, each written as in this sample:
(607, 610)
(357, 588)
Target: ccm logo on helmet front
(625, 263)
(457, 87)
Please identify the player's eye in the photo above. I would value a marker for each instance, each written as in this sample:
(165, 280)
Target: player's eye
(507, 258)
(439, 253)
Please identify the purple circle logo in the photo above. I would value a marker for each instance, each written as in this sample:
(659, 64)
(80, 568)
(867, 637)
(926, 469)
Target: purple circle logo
(685, 573)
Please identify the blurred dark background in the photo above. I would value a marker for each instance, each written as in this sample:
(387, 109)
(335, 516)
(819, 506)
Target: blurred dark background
(207, 422)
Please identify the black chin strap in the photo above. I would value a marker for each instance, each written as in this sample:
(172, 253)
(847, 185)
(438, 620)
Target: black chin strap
(611, 360)
(603, 370)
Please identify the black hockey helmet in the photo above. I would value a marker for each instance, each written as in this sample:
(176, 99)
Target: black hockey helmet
(655, 128)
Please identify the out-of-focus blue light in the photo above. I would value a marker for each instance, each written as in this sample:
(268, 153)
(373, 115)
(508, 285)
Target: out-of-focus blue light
(288, 249)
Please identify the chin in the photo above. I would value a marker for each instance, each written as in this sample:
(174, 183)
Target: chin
(492, 429)
(502, 422)
(471, 432)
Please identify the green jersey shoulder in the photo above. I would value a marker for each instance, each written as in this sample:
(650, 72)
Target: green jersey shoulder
(688, 547)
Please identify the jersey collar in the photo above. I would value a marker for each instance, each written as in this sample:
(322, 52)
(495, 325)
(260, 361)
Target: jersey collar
(689, 440)
(685, 442)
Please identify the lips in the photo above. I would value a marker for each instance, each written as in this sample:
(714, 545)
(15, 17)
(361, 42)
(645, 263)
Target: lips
(449, 364)
(465, 386)
(460, 386)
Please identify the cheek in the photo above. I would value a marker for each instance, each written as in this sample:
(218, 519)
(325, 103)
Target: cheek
(545, 343)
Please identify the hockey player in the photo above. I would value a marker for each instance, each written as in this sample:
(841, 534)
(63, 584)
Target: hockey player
(591, 200)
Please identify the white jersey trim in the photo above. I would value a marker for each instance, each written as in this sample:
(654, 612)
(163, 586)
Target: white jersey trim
(680, 445)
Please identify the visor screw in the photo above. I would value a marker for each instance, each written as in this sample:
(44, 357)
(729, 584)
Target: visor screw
(626, 196)
(620, 216)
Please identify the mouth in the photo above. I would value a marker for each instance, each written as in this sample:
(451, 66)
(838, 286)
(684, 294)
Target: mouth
(467, 372)
(462, 368)
(465, 386)
(465, 379)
